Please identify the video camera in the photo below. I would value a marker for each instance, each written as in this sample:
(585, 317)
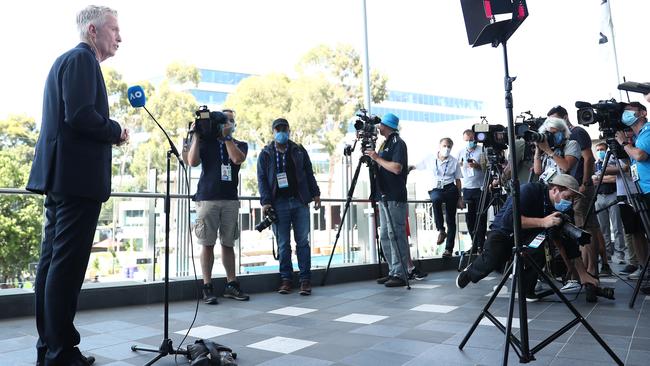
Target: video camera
(366, 129)
(607, 113)
(209, 125)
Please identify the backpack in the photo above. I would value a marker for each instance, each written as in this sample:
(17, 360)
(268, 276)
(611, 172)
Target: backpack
(207, 353)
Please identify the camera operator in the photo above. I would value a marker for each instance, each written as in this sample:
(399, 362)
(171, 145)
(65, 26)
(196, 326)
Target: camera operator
(582, 172)
(286, 182)
(217, 200)
(638, 148)
(540, 204)
(609, 215)
(472, 161)
(446, 189)
(392, 161)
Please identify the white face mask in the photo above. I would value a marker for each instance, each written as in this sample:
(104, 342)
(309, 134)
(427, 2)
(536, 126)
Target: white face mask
(444, 152)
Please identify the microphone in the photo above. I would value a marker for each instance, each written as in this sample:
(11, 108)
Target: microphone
(136, 96)
(137, 99)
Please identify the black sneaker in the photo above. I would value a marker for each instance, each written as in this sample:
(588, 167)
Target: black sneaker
(383, 280)
(395, 282)
(416, 274)
(233, 291)
(629, 269)
(447, 254)
(208, 295)
(463, 279)
(605, 271)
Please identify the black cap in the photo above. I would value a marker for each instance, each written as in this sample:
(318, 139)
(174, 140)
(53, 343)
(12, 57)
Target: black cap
(280, 122)
(559, 110)
(636, 105)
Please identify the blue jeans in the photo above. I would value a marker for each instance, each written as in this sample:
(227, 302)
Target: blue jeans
(394, 244)
(291, 212)
(449, 196)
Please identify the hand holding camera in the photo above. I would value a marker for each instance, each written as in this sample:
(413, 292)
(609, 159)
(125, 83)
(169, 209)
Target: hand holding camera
(551, 220)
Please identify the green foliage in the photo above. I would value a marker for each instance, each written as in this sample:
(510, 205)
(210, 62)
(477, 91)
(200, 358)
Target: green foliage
(181, 73)
(20, 215)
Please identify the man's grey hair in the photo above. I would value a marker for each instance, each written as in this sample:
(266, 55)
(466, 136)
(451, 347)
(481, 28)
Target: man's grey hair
(92, 14)
(558, 123)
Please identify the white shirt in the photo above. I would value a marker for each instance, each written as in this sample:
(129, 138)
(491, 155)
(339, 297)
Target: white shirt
(472, 177)
(444, 171)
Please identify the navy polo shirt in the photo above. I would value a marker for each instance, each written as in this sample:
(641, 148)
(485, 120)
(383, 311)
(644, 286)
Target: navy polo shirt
(533, 202)
(210, 186)
(389, 184)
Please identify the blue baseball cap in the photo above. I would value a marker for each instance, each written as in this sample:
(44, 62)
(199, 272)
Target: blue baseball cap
(390, 120)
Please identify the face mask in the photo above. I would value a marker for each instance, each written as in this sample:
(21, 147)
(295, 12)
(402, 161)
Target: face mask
(563, 205)
(558, 137)
(601, 155)
(628, 118)
(281, 137)
(471, 144)
(444, 152)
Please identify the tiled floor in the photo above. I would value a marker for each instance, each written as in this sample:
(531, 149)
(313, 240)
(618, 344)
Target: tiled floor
(357, 324)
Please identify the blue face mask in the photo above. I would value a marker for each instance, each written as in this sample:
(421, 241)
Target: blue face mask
(628, 118)
(471, 144)
(281, 137)
(563, 205)
(558, 137)
(601, 155)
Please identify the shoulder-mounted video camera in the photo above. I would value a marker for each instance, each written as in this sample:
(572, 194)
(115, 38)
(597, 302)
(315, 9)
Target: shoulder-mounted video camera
(366, 129)
(607, 113)
(209, 125)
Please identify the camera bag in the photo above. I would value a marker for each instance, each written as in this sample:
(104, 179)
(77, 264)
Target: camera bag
(207, 353)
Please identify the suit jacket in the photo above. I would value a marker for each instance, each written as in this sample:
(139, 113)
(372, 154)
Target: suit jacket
(73, 151)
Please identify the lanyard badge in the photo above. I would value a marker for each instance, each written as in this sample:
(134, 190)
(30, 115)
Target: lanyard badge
(283, 180)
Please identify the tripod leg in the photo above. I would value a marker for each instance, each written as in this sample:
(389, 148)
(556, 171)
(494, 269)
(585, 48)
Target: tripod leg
(579, 318)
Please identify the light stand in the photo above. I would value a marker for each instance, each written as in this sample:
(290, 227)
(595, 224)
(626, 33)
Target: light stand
(166, 347)
(495, 34)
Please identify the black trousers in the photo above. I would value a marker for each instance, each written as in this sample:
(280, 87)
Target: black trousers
(449, 196)
(496, 252)
(472, 197)
(68, 232)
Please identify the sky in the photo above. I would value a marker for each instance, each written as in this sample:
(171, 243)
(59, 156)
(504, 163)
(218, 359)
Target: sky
(421, 45)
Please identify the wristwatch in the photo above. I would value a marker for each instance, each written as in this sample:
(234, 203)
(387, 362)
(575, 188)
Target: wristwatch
(625, 143)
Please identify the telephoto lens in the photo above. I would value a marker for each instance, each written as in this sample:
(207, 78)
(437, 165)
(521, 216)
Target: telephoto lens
(593, 292)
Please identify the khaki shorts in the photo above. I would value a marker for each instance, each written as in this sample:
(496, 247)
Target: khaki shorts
(217, 216)
(581, 207)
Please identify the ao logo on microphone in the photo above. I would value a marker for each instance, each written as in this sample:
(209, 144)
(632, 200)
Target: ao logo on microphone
(136, 96)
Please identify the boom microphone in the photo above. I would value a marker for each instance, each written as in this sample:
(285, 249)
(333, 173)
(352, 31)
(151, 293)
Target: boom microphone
(137, 99)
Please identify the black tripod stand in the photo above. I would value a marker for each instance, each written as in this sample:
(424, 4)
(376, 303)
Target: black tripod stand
(166, 347)
(372, 166)
(490, 197)
(521, 345)
(639, 206)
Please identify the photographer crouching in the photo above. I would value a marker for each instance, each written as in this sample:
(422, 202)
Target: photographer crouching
(217, 201)
(541, 208)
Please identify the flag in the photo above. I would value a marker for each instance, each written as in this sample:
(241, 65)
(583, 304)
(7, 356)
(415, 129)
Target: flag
(606, 26)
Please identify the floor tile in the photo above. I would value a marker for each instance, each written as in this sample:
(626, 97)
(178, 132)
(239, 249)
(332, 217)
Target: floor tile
(207, 331)
(282, 344)
(292, 311)
(361, 318)
(432, 308)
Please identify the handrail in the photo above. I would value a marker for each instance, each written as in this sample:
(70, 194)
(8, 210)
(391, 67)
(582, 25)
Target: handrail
(176, 195)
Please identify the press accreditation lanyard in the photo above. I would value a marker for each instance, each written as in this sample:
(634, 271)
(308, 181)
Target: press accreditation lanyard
(226, 168)
(283, 181)
(441, 178)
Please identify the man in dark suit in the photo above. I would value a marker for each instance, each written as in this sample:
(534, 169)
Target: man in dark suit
(72, 167)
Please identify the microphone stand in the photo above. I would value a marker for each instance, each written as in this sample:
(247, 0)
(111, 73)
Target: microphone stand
(166, 347)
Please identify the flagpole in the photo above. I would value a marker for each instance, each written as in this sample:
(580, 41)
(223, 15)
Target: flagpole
(611, 30)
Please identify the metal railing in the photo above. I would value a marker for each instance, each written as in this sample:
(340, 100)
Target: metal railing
(129, 242)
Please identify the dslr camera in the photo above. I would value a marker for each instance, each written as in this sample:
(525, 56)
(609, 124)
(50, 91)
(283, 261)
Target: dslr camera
(568, 230)
(269, 218)
(607, 113)
(209, 125)
(366, 129)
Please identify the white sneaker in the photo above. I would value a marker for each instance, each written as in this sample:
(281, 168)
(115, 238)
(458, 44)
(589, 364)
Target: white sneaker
(636, 274)
(571, 286)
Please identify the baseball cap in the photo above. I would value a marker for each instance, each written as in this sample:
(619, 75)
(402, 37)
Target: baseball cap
(567, 181)
(390, 120)
(559, 110)
(280, 122)
(636, 105)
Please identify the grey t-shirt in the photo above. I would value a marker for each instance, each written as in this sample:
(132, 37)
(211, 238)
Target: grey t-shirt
(571, 148)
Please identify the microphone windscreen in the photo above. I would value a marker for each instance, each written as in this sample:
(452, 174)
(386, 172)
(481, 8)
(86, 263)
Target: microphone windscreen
(136, 96)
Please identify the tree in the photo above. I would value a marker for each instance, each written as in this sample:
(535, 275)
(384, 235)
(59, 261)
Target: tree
(20, 215)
